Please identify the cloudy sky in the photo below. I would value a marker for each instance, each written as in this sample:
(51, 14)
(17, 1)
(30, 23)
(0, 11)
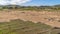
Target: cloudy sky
(29, 2)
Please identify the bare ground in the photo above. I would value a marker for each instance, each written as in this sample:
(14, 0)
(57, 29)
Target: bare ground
(49, 18)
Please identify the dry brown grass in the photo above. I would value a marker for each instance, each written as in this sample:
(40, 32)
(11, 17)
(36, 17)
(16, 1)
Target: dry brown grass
(49, 18)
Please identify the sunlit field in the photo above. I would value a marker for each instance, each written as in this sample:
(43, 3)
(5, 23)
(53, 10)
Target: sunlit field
(29, 20)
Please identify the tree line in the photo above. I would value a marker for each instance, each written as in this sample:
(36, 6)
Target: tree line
(55, 7)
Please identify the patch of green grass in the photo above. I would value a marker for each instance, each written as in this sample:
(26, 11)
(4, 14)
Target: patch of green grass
(22, 27)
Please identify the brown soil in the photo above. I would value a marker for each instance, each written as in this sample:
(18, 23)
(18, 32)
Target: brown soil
(49, 18)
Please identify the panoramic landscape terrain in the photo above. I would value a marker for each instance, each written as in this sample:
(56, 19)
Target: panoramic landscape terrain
(29, 16)
(16, 19)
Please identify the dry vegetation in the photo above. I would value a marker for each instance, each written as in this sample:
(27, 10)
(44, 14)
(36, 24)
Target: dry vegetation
(29, 21)
(49, 18)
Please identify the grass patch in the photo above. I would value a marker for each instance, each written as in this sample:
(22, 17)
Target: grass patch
(22, 27)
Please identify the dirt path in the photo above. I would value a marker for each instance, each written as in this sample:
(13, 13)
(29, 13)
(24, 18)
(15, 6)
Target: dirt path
(50, 18)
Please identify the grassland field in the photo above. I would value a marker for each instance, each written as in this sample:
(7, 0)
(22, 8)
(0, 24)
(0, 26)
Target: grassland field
(18, 21)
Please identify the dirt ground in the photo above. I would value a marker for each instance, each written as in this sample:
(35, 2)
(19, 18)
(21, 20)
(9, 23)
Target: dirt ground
(49, 18)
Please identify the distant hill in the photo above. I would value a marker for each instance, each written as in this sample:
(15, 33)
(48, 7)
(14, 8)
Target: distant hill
(57, 5)
(29, 7)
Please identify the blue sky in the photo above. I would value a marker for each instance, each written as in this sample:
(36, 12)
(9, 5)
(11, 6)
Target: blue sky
(30, 2)
(43, 2)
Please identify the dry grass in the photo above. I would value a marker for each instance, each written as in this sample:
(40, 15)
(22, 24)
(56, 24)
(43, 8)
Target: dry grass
(49, 18)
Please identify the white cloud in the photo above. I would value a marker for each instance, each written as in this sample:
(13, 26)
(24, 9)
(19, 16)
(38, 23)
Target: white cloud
(17, 2)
